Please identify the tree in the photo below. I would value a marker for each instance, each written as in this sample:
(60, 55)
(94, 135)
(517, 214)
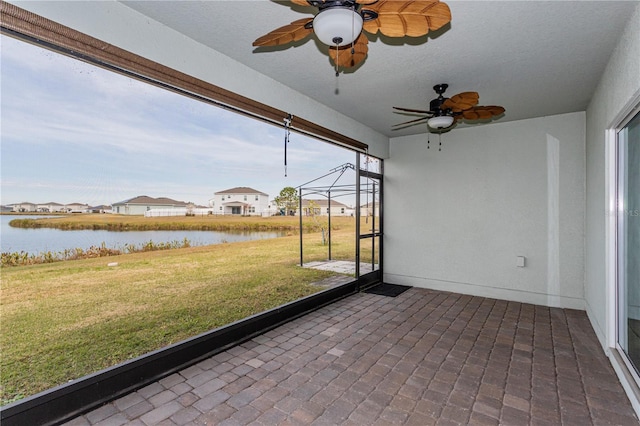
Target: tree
(288, 200)
(313, 210)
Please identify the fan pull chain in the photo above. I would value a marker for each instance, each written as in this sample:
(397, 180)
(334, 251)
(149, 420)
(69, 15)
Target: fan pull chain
(428, 136)
(440, 141)
(353, 32)
(287, 133)
(337, 55)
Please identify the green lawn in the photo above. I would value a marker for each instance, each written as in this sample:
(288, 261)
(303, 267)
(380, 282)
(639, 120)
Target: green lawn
(63, 320)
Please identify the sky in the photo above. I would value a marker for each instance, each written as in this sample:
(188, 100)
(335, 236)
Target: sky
(73, 132)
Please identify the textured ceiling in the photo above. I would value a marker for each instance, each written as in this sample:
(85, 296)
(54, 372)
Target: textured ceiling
(534, 58)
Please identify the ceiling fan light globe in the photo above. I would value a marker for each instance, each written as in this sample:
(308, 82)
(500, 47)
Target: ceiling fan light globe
(440, 122)
(337, 25)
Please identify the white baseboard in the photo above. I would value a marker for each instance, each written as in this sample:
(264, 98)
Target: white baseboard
(522, 296)
(602, 338)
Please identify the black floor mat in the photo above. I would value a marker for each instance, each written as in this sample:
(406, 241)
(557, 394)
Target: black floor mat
(391, 290)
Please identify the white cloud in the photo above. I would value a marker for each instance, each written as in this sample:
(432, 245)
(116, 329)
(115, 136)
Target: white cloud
(136, 138)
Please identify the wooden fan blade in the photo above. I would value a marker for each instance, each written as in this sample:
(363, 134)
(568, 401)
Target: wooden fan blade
(301, 2)
(366, 2)
(286, 34)
(482, 112)
(413, 110)
(407, 18)
(343, 57)
(416, 121)
(461, 101)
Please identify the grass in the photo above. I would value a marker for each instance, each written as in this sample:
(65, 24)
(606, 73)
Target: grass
(61, 321)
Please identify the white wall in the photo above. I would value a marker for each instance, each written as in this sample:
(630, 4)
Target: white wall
(617, 92)
(457, 219)
(121, 26)
(618, 89)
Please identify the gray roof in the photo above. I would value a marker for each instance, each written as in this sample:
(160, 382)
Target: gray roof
(240, 190)
(323, 202)
(146, 200)
(370, 204)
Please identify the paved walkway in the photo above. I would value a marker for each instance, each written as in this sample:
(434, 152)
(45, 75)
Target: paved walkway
(422, 358)
(346, 271)
(341, 266)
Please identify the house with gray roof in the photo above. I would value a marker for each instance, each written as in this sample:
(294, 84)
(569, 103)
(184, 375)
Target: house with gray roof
(76, 208)
(241, 200)
(320, 207)
(141, 204)
(24, 206)
(50, 207)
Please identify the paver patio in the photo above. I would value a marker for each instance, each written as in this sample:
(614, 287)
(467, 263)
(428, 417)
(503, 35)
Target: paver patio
(425, 357)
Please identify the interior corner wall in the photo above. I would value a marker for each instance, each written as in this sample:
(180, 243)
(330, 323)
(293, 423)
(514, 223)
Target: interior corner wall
(618, 88)
(121, 26)
(457, 219)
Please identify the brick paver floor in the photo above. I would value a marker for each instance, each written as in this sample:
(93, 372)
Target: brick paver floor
(422, 358)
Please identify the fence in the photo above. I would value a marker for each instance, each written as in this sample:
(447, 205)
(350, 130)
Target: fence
(178, 212)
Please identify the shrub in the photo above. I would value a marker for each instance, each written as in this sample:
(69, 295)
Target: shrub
(23, 258)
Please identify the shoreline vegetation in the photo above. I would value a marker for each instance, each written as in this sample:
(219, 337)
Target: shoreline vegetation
(64, 320)
(122, 223)
(23, 258)
(113, 222)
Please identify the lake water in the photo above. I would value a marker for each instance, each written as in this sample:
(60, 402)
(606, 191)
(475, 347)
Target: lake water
(42, 240)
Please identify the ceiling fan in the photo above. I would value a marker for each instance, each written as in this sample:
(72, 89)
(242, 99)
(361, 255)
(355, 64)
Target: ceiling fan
(340, 24)
(444, 112)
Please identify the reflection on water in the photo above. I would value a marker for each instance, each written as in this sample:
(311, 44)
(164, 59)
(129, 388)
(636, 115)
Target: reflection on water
(42, 240)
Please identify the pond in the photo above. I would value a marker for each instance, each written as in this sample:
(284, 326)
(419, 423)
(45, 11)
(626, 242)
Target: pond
(42, 240)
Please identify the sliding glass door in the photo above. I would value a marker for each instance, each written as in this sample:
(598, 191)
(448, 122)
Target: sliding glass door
(628, 241)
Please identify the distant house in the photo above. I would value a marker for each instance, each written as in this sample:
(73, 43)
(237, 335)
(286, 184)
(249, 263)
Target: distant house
(25, 207)
(76, 208)
(50, 207)
(100, 209)
(141, 204)
(321, 208)
(240, 201)
(371, 209)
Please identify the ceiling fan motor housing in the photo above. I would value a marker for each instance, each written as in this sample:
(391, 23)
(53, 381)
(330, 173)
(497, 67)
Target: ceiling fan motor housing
(436, 104)
(435, 107)
(328, 4)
